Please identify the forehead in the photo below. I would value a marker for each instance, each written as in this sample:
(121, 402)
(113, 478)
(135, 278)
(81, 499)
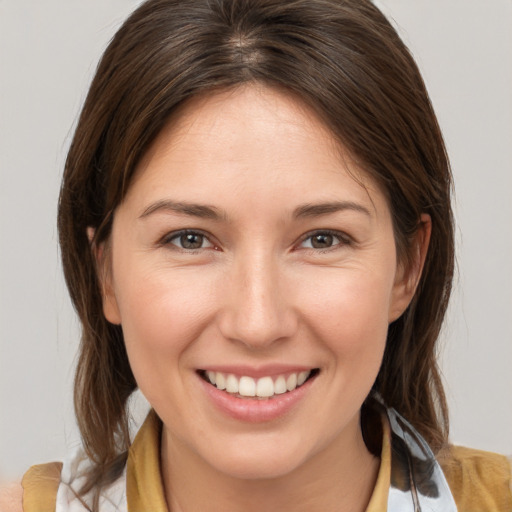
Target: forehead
(253, 138)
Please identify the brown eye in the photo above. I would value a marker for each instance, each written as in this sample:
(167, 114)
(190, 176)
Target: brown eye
(189, 240)
(322, 241)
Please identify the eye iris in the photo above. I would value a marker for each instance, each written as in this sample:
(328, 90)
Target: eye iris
(322, 241)
(191, 241)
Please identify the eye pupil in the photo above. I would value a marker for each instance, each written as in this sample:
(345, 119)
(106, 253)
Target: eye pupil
(321, 241)
(191, 241)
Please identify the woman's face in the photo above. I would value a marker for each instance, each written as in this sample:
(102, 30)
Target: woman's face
(246, 253)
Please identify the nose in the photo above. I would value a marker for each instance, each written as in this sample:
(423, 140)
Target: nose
(258, 309)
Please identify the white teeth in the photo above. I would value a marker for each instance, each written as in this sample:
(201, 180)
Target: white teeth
(265, 387)
(232, 384)
(220, 381)
(247, 386)
(302, 377)
(280, 385)
(291, 382)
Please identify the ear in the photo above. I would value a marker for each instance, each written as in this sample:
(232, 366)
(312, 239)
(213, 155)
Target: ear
(408, 276)
(102, 257)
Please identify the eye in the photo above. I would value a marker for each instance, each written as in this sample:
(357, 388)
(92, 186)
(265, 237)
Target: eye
(324, 240)
(188, 240)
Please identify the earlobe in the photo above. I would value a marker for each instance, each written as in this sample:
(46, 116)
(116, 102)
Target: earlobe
(408, 277)
(110, 307)
(102, 257)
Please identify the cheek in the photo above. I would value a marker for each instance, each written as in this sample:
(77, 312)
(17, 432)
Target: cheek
(162, 313)
(348, 310)
(155, 302)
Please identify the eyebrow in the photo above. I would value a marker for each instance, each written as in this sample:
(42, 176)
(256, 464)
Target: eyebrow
(211, 212)
(317, 210)
(195, 210)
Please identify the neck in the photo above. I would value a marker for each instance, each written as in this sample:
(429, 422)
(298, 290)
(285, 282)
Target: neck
(339, 477)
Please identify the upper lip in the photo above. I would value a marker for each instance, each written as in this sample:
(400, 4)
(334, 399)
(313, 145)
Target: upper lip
(267, 370)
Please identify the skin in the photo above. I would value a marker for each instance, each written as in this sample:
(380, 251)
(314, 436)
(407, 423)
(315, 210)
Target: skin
(11, 497)
(257, 292)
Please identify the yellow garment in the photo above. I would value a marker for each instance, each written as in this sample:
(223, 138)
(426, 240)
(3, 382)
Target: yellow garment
(479, 481)
(40, 484)
(144, 486)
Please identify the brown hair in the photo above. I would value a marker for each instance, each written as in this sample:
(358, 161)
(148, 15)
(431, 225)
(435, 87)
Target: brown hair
(346, 61)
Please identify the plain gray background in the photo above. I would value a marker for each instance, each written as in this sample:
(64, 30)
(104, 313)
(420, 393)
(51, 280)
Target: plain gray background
(48, 52)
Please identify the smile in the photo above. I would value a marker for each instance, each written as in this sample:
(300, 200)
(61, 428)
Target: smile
(262, 388)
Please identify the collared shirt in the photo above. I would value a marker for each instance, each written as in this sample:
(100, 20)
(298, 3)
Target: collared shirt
(476, 481)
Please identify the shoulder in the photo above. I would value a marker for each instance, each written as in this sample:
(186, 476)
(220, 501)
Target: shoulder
(479, 480)
(11, 497)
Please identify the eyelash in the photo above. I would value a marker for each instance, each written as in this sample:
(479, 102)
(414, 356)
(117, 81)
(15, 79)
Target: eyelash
(343, 240)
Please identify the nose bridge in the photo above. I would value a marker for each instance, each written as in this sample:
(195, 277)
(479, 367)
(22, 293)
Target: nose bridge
(258, 310)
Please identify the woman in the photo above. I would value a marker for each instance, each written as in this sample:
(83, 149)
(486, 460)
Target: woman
(256, 231)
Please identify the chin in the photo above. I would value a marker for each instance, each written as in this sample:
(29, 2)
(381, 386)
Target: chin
(245, 466)
(259, 457)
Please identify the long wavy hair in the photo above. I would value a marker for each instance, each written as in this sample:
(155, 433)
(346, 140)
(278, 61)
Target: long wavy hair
(344, 59)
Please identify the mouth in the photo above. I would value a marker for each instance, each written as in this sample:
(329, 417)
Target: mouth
(262, 388)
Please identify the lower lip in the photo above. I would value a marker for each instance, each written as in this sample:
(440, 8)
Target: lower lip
(252, 410)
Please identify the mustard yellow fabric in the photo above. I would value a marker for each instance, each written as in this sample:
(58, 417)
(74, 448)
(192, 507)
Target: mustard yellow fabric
(144, 487)
(40, 484)
(479, 481)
